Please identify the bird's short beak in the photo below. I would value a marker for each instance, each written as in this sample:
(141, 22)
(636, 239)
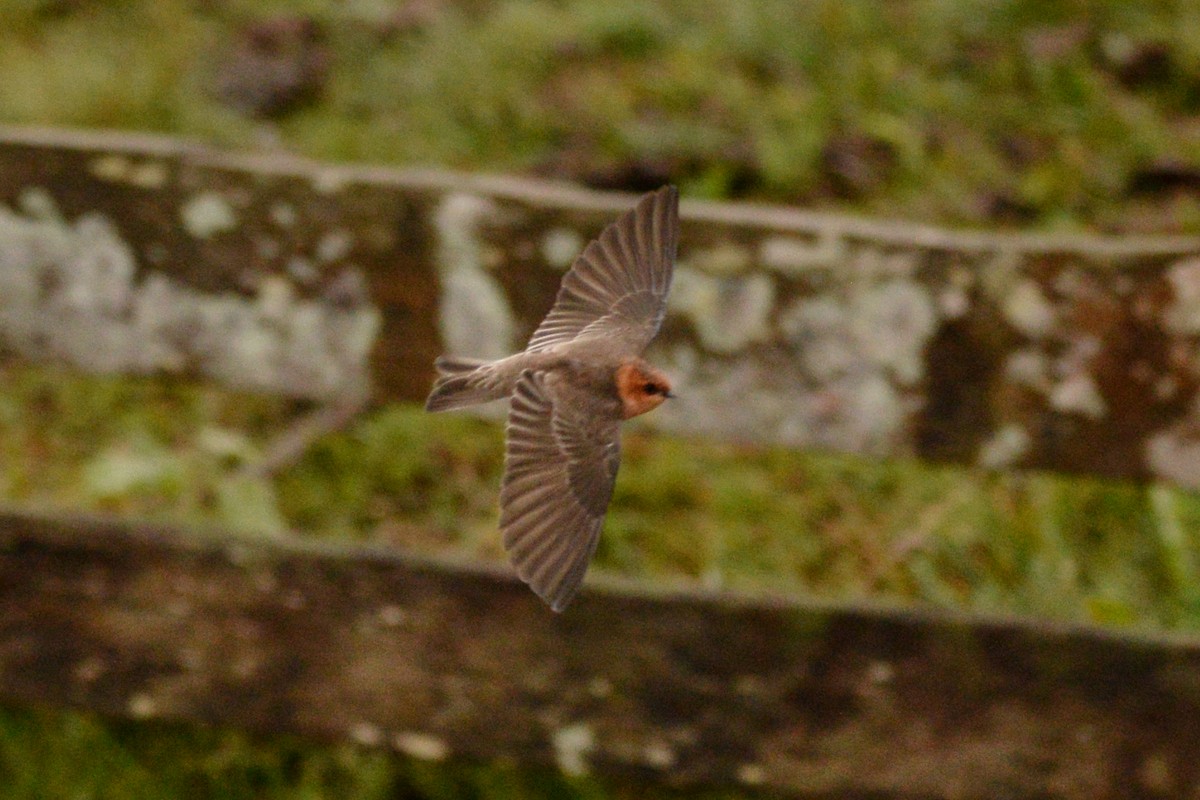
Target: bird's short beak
(670, 395)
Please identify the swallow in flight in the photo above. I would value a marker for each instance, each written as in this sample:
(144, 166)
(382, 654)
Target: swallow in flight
(579, 377)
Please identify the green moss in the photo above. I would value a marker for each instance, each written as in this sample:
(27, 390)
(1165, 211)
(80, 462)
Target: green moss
(948, 112)
(66, 754)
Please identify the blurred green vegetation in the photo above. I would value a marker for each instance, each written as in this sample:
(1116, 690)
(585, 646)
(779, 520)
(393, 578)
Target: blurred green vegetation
(759, 520)
(962, 112)
(1058, 114)
(57, 755)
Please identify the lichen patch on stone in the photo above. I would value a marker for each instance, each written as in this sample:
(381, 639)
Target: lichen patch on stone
(475, 317)
(561, 246)
(1027, 309)
(1183, 314)
(1077, 394)
(424, 746)
(206, 214)
(727, 313)
(1005, 447)
(723, 260)
(790, 255)
(572, 746)
(72, 291)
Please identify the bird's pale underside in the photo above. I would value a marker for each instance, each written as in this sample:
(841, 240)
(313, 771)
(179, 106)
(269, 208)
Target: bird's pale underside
(580, 375)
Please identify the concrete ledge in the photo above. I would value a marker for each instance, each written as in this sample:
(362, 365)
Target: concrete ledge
(139, 254)
(441, 660)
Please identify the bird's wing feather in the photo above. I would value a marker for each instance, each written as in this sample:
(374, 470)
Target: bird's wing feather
(559, 470)
(618, 286)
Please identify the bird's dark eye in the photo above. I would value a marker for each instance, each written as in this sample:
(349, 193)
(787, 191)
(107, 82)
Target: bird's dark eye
(650, 388)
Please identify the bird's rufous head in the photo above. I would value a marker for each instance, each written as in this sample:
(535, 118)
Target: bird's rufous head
(641, 388)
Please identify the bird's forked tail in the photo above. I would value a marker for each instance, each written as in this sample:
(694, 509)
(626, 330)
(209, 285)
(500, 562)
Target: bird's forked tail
(463, 382)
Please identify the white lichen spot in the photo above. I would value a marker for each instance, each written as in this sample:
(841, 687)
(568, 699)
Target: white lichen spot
(72, 292)
(1174, 455)
(102, 270)
(724, 260)
(871, 415)
(1006, 447)
(561, 246)
(880, 672)
(1182, 316)
(116, 168)
(141, 706)
(1028, 368)
(1027, 309)
(391, 615)
(692, 293)
(792, 256)
(149, 175)
(275, 297)
(819, 329)
(728, 313)
(572, 745)
(1077, 394)
(207, 214)
(659, 754)
(366, 734)
(38, 203)
(111, 167)
(752, 774)
(424, 746)
(885, 326)
(953, 302)
(892, 324)
(860, 412)
(474, 314)
(329, 180)
(334, 245)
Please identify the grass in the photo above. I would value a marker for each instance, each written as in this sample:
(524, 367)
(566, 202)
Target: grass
(1016, 113)
(48, 755)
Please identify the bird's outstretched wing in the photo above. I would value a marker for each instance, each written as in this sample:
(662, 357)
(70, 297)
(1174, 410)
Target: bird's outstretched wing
(618, 286)
(559, 469)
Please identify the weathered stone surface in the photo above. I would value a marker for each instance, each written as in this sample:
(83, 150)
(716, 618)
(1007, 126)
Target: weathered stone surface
(138, 255)
(1073, 353)
(440, 660)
